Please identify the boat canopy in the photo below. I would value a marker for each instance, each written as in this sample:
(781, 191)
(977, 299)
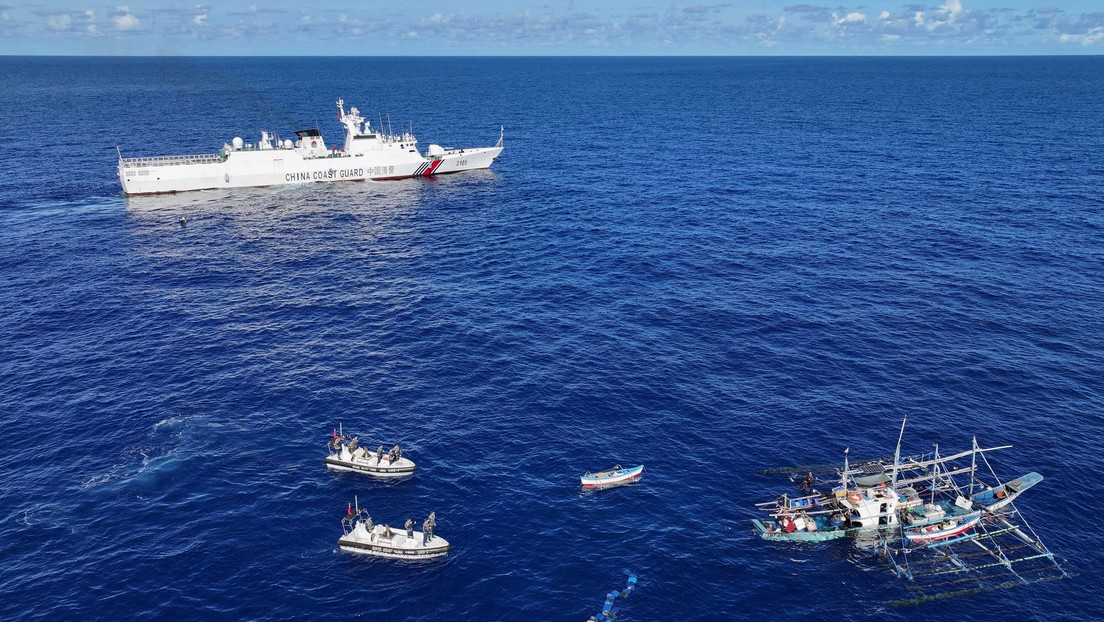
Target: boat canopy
(871, 480)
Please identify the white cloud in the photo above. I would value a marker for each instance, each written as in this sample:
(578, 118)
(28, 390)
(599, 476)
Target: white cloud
(1089, 38)
(123, 19)
(125, 22)
(850, 18)
(848, 27)
(59, 22)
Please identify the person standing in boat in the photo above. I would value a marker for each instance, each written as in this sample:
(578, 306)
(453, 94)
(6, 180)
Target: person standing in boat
(807, 485)
(379, 455)
(396, 454)
(427, 528)
(409, 528)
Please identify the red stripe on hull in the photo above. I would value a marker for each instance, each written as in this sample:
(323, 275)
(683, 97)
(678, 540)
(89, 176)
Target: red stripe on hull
(432, 167)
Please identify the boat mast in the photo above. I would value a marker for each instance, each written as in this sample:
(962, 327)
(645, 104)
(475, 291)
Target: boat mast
(935, 472)
(973, 465)
(897, 455)
(843, 476)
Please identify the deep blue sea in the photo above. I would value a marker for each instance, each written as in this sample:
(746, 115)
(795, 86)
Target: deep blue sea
(708, 266)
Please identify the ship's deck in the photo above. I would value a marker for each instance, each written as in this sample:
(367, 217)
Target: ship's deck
(171, 160)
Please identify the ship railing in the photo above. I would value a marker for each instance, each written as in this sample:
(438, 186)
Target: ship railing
(172, 160)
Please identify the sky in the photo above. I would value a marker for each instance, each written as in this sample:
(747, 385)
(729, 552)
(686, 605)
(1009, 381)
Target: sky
(551, 28)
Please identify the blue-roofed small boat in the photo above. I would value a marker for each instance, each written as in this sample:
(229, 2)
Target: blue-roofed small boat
(617, 476)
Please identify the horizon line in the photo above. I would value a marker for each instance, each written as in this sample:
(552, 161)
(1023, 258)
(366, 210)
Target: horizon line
(1084, 55)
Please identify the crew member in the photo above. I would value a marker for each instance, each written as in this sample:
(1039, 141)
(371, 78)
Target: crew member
(427, 527)
(807, 485)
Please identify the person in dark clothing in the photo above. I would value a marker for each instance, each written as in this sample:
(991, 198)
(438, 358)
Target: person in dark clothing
(427, 527)
(807, 485)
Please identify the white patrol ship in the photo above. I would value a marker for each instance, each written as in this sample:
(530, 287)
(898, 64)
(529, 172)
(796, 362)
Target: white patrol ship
(366, 154)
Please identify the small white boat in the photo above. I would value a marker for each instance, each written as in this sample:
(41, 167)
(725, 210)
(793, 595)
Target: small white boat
(346, 454)
(361, 535)
(617, 476)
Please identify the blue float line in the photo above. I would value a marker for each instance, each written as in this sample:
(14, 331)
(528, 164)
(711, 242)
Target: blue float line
(609, 610)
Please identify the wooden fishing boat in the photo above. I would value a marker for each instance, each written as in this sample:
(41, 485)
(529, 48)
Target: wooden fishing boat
(933, 522)
(801, 528)
(616, 476)
(997, 497)
(937, 520)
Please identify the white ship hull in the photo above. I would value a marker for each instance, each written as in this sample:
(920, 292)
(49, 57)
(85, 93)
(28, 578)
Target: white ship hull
(244, 169)
(366, 155)
(396, 546)
(369, 466)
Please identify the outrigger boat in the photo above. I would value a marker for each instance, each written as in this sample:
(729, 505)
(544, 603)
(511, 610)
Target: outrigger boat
(361, 535)
(938, 522)
(346, 454)
(617, 476)
(856, 504)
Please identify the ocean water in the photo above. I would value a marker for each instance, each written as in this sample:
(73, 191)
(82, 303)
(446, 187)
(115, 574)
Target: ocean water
(708, 266)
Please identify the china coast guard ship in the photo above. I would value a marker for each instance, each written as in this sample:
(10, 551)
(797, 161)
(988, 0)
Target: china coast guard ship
(367, 154)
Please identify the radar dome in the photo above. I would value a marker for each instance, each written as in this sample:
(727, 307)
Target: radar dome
(237, 142)
(287, 143)
(435, 150)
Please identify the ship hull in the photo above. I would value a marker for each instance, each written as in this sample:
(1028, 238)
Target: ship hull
(278, 167)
